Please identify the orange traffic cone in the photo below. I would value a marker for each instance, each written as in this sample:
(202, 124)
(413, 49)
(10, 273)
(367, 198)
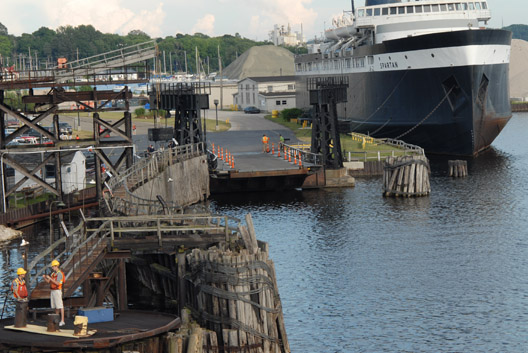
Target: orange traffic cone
(213, 148)
(222, 154)
(295, 157)
(300, 160)
(289, 155)
(272, 149)
(233, 163)
(285, 154)
(278, 152)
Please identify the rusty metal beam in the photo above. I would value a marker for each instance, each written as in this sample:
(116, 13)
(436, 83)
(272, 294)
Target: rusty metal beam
(20, 131)
(32, 177)
(26, 121)
(23, 180)
(113, 128)
(60, 97)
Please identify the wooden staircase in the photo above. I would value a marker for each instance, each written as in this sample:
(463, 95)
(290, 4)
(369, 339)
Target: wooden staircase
(83, 262)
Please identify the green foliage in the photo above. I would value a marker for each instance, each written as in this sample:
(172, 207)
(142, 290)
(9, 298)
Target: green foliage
(293, 113)
(14, 100)
(140, 112)
(519, 31)
(85, 41)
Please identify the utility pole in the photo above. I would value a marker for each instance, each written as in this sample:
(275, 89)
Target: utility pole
(221, 79)
(185, 53)
(164, 63)
(196, 57)
(170, 62)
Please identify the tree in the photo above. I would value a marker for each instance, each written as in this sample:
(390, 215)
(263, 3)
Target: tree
(3, 30)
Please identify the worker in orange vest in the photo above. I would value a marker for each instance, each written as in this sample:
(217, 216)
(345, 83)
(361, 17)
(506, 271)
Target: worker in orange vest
(56, 280)
(18, 286)
(265, 143)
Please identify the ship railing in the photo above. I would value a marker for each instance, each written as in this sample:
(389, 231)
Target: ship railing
(302, 151)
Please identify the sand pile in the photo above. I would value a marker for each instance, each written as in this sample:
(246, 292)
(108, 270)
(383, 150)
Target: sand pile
(267, 60)
(7, 234)
(519, 69)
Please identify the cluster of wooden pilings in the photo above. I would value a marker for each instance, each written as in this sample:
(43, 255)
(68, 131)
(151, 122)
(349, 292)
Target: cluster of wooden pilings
(406, 176)
(457, 169)
(235, 294)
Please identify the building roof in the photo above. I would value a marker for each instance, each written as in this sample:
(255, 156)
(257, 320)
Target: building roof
(271, 79)
(277, 94)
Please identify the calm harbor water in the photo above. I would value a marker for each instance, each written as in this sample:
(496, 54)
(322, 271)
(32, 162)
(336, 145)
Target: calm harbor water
(361, 273)
(448, 273)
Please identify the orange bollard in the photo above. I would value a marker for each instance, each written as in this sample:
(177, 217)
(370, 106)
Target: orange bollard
(295, 157)
(213, 148)
(222, 154)
(278, 152)
(289, 155)
(285, 154)
(300, 160)
(272, 149)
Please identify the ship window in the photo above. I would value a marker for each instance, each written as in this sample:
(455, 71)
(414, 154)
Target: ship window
(377, 11)
(464, 6)
(369, 12)
(459, 7)
(435, 8)
(401, 10)
(471, 7)
(347, 63)
(361, 13)
(427, 8)
(451, 7)
(410, 9)
(393, 11)
(484, 6)
(385, 11)
(370, 60)
(477, 5)
(443, 7)
(418, 9)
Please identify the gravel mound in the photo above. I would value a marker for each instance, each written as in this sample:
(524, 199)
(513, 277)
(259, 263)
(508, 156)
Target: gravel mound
(267, 60)
(519, 69)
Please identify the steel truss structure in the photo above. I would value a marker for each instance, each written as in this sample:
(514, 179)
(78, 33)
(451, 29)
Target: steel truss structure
(186, 99)
(325, 94)
(94, 71)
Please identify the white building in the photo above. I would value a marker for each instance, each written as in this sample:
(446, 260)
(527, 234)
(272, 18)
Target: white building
(282, 36)
(266, 93)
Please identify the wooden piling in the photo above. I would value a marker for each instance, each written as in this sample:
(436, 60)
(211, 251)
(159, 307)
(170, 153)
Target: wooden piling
(406, 176)
(457, 168)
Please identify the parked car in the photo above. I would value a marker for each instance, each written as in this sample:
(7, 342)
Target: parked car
(65, 128)
(251, 110)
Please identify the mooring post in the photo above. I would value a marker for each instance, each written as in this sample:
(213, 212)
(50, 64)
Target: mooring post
(180, 258)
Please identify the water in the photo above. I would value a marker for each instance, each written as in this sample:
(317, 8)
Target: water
(361, 273)
(448, 273)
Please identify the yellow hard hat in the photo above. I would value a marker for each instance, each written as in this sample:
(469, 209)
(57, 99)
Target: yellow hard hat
(21, 271)
(55, 263)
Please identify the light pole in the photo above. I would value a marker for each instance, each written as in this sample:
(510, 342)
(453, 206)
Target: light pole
(216, 106)
(59, 204)
(78, 118)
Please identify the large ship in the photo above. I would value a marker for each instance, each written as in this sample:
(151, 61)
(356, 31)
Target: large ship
(426, 72)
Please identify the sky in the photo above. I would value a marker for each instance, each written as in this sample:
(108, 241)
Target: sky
(252, 19)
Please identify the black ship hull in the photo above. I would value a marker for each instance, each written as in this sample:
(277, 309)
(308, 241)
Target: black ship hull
(455, 110)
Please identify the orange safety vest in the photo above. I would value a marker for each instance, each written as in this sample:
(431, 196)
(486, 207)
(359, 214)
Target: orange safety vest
(19, 289)
(54, 276)
(265, 139)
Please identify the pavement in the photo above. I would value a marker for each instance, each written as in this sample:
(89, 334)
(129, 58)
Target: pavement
(243, 140)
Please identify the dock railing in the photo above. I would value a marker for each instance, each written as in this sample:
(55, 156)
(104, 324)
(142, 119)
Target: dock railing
(143, 171)
(70, 250)
(303, 152)
(402, 149)
(160, 225)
